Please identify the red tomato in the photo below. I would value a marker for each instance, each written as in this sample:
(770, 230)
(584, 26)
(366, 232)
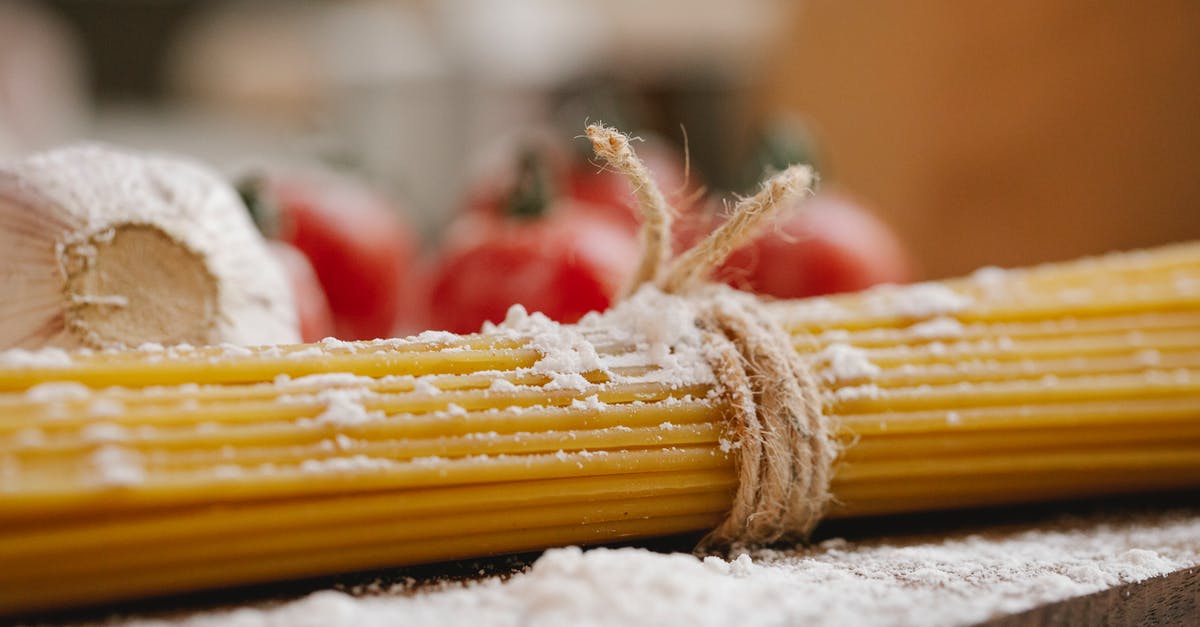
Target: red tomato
(357, 242)
(564, 265)
(609, 193)
(830, 245)
(312, 308)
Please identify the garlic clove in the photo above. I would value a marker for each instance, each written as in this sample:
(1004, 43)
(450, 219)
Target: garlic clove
(101, 247)
(32, 314)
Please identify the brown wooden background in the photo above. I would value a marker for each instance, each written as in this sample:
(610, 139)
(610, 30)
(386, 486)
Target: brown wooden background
(1006, 133)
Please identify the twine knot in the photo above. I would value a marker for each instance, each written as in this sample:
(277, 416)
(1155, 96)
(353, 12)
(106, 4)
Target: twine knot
(783, 447)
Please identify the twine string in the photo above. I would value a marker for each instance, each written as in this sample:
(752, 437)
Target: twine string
(657, 214)
(781, 441)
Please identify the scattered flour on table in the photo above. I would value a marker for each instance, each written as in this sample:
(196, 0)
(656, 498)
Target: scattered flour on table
(957, 580)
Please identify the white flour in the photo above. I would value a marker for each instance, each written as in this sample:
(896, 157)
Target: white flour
(954, 580)
(918, 300)
(846, 363)
(650, 328)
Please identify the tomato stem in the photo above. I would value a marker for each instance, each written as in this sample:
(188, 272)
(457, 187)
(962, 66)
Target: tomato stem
(534, 189)
(779, 145)
(263, 211)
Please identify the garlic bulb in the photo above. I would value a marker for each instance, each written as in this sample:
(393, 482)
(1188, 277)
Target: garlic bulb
(101, 247)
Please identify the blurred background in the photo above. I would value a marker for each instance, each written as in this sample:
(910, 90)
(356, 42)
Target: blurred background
(982, 133)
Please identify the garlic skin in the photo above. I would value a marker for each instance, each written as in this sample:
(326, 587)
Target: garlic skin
(102, 247)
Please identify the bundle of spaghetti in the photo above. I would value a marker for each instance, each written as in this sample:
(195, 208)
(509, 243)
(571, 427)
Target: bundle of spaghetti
(158, 470)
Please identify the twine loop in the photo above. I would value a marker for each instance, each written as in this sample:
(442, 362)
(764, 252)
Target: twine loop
(781, 441)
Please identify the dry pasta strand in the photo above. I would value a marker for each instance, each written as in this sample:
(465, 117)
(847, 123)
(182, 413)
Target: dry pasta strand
(149, 472)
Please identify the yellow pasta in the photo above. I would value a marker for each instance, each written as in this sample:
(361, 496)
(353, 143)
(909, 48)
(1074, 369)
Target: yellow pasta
(154, 471)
